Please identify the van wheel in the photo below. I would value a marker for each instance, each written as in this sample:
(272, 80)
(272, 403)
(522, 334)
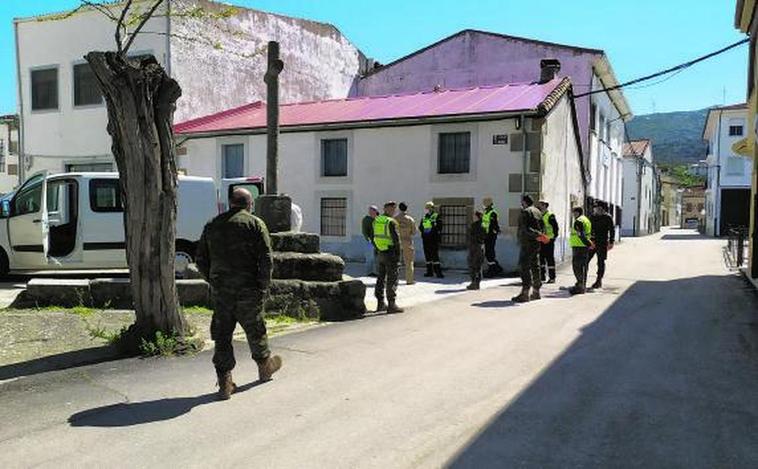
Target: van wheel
(185, 255)
(4, 265)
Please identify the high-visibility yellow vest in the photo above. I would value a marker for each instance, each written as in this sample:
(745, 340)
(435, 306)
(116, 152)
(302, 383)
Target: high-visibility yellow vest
(487, 218)
(430, 219)
(574, 240)
(382, 236)
(548, 227)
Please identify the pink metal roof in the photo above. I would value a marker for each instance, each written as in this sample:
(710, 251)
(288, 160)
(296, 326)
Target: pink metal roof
(480, 100)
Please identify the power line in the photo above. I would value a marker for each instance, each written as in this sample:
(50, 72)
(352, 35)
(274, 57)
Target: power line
(677, 68)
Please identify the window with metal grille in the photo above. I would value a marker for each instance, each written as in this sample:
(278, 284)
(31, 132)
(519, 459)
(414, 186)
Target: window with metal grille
(456, 219)
(44, 89)
(735, 130)
(454, 153)
(333, 216)
(86, 88)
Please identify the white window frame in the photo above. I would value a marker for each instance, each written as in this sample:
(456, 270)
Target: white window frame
(436, 130)
(73, 90)
(221, 142)
(334, 135)
(349, 222)
(57, 109)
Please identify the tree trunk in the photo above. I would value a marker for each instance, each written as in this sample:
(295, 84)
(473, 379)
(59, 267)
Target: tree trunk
(141, 101)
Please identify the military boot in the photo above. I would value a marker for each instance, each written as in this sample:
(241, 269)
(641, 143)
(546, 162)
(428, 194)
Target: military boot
(438, 271)
(522, 297)
(598, 284)
(226, 386)
(381, 305)
(577, 290)
(394, 308)
(535, 294)
(268, 367)
(429, 272)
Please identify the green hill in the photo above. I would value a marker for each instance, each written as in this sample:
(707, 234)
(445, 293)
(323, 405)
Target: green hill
(676, 136)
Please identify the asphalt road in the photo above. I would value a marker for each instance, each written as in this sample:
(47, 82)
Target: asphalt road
(658, 370)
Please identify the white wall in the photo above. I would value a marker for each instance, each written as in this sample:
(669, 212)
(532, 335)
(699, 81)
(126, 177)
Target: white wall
(726, 169)
(399, 163)
(606, 165)
(320, 63)
(53, 138)
(8, 135)
(638, 216)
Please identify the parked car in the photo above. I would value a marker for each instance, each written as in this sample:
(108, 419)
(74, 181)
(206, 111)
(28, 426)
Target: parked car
(75, 221)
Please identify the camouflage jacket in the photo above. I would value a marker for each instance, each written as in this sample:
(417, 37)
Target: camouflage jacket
(234, 252)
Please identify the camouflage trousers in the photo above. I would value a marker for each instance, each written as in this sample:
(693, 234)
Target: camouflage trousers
(246, 308)
(387, 273)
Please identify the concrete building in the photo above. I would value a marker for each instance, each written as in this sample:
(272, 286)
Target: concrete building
(63, 116)
(639, 188)
(8, 153)
(746, 20)
(728, 179)
(476, 58)
(451, 146)
(671, 201)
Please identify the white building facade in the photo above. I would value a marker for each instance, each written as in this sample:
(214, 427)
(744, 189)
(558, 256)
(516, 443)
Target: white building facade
(8, 153)
(639, 189)
(727, 197)
(404, 159)
(63, 116)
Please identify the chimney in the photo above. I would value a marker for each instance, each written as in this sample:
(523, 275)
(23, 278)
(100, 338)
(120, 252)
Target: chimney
(549, 68)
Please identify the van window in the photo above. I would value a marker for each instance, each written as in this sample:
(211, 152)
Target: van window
(28, 200)
(254, 188)
(105, 195)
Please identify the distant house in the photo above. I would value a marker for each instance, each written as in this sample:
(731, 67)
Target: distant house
(453, 147)
(8, 153)
(640, 189)
(693, 207)
(671, 201)
(479, 58)
(728, 181)
(62, 113)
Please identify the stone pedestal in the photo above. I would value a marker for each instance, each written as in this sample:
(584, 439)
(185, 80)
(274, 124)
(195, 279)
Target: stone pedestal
(275, 210)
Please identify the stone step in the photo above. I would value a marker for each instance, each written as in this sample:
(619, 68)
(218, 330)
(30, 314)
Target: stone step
(289, 241)
(337, 301)
(316, 267)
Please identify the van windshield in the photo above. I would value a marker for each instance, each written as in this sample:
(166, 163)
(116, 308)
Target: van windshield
(254, 188)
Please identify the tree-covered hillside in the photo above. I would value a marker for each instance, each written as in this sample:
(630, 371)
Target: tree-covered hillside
(676, 136)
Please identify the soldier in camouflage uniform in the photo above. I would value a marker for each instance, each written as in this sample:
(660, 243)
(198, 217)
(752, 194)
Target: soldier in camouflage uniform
(476, 239)
(234, 255)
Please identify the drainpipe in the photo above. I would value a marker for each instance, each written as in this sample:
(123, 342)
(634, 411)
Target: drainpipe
(638, 225)
(717, 219)
(525, 159)
(21, 147)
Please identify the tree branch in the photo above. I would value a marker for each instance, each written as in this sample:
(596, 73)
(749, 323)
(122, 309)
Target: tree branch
(145, 18)
(120, 24)
(101, 8)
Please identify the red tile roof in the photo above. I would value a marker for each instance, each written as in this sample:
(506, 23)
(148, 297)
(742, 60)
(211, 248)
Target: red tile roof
(636, 147)
(510, 98)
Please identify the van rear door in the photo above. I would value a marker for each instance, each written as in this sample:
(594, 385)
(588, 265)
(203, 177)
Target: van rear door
(253, 184)
(28, 224)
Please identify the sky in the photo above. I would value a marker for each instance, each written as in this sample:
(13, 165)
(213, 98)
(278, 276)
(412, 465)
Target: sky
(640, 36)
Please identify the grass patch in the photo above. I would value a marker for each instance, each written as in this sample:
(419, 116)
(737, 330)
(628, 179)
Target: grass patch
(196, 310)
(99, 332)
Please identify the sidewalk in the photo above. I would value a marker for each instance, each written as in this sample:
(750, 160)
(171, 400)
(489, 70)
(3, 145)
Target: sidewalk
(426, 289)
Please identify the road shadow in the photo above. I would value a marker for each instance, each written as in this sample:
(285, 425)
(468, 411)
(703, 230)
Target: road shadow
(665, 377)
(127, 414)
(60, 361)
(445, 291)
(494, 304)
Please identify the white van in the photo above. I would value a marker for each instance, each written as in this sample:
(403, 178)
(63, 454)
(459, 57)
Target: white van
(75, 221)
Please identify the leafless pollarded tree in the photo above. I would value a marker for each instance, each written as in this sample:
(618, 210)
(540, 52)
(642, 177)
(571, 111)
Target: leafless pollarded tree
(141, 99)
